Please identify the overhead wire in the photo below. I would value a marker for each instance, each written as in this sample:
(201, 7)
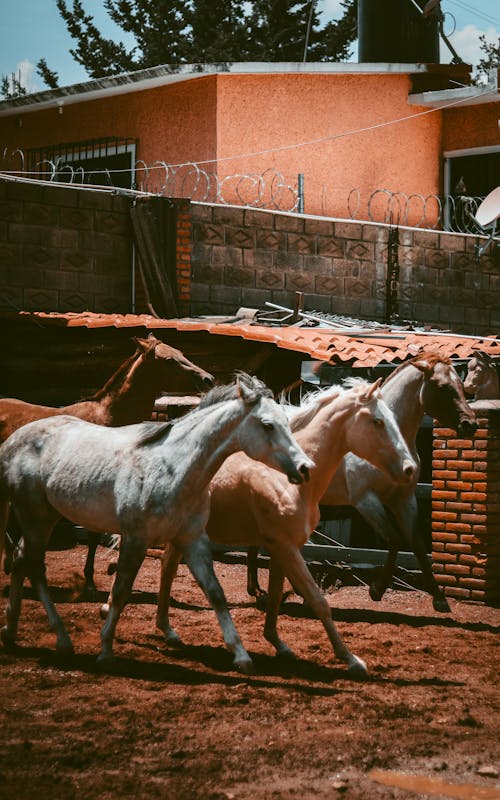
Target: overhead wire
(296, 145)
(475, 11)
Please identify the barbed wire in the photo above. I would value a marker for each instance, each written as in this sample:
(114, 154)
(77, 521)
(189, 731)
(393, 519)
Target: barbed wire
(269, 189)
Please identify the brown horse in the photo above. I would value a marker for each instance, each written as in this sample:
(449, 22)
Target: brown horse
(483, 377)
(126, 398)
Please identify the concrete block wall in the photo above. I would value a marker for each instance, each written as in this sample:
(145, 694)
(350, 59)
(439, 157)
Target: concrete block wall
(466, 509)
(243, 257)
(64, 249)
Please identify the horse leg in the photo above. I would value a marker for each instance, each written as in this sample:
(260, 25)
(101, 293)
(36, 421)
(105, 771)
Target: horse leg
(382, 521)
(253, 588)
(407, 518)
(169, 564)
(132, 553)
(274, 598)
(198, 557)
(29, 560)
(93, 541)
(295, 569)
(13, 610)
(12, 535)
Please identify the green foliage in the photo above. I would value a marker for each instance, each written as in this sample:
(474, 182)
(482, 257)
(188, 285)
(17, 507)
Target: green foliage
(50, 78)
(206, 31)
(11, 87)
(491, 58)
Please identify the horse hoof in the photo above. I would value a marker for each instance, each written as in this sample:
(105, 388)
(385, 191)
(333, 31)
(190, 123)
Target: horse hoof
(105, 661)
(261, 601)
(244, 665)
(286, 653)
(7, 639)
(441, 604)
(65, 652)
(173, 639)
(358, 671)
(376, 592)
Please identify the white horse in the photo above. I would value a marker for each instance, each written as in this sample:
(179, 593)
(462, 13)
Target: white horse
(252, 505)
(149, 483)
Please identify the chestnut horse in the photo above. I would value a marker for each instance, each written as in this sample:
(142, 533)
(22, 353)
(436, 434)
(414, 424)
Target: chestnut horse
(127, 397)
(253, 505)
(148, 483)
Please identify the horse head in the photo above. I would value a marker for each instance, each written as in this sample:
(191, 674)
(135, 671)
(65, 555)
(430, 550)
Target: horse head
(265, 434)
(172, 368)
(442, 394)
(482, 380)
(376, 436)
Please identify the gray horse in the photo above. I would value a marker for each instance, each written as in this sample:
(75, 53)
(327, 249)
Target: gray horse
(149, 483)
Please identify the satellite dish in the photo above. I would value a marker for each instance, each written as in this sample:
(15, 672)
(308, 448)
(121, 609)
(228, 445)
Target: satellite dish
(486, 217)
(489, 210)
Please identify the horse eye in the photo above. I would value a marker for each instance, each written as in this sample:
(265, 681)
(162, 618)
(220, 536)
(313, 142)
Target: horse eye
(378, 421)
(267, 425)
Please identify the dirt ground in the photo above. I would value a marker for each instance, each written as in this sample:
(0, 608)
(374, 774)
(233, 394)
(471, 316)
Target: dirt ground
(182, 724)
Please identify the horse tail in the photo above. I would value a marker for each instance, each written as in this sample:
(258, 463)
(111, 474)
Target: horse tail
(4, 516)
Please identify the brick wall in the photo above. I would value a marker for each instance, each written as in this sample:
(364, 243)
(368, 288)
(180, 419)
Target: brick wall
(466, 508)
(63, 249)
(69, 249)
(243, 257)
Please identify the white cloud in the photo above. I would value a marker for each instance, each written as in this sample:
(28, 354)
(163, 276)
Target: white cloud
(25, 74)
(466, 43)
(329, 9)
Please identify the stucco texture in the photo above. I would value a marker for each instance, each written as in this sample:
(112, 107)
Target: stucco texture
(262, 113)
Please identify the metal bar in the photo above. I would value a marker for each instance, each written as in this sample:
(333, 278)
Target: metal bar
(353, 556)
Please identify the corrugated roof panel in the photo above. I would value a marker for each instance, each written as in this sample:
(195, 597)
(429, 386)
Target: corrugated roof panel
(323, 344)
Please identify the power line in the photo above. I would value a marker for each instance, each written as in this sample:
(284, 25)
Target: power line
(296, 145)
(475, 11)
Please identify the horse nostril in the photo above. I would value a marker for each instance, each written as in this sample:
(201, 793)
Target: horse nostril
(408, 470)
(304, 471)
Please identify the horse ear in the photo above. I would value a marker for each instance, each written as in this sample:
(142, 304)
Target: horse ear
(485, 357)
(142, 344)
(369, 392)
(423, 365)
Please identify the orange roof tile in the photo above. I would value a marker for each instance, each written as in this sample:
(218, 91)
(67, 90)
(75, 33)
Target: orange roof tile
(363, 349)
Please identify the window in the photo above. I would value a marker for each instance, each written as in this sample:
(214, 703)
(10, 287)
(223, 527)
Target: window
(99, 162)
(469, 175)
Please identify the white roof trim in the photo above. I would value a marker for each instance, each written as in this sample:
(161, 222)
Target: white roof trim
(465, 95)
(166, 74)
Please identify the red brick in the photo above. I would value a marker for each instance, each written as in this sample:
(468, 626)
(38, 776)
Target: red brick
(458, 527)
(458, 593)
(444, 558)
(443, 495)
(457, 569)
(445, 474)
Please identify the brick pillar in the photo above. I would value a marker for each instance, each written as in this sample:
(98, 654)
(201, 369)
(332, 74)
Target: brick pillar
(183, 257)
(466, 508)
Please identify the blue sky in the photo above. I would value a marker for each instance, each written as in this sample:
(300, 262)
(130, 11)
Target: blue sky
(32, 29)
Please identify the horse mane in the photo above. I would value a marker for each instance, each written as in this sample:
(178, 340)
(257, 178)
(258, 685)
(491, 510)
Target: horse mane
(311, 403)
(256, 389)
(159, 431)
(219, 394)
(117, 377)
(431, 357)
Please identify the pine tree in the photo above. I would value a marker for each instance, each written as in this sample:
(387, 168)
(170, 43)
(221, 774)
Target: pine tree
(204, 31)
(11, 87)
(491, 58)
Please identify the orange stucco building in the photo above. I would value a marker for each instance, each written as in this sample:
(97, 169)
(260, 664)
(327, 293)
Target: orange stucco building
(348, 129)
